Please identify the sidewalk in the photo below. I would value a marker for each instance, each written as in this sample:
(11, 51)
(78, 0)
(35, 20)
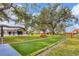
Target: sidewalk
(7, 50)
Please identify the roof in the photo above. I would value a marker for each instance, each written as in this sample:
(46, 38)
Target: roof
(10, 24)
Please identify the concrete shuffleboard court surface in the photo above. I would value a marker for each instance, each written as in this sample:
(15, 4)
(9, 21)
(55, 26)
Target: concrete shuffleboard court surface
(7, 50)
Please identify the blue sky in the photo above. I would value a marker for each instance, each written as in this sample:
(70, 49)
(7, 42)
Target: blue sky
(70, 5)
(42, 5)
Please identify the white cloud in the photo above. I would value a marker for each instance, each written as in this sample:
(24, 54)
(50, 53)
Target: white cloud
(34, 14)
(75, 10)
(71, 28)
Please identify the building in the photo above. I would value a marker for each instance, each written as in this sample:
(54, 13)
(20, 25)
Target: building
(10, 28)
(74, 33)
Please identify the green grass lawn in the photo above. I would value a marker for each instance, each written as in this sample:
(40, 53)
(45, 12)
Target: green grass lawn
(68, 48)
(27, 48)
(11, 39)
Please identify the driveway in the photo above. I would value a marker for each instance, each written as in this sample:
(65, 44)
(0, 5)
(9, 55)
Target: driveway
(7, 50)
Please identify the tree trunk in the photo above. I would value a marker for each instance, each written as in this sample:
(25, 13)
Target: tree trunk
(53, 27)
(53, 32)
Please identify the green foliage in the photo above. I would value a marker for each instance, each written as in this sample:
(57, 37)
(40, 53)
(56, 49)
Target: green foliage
(3, 8)
(23, 15)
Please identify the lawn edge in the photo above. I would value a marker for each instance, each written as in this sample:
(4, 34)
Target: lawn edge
(45, 48)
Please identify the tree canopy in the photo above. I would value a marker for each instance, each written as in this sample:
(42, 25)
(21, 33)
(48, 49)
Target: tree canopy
(53, 17)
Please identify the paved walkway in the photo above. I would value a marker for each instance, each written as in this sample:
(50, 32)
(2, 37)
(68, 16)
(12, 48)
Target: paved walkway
(7, 50)
(44, 53)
